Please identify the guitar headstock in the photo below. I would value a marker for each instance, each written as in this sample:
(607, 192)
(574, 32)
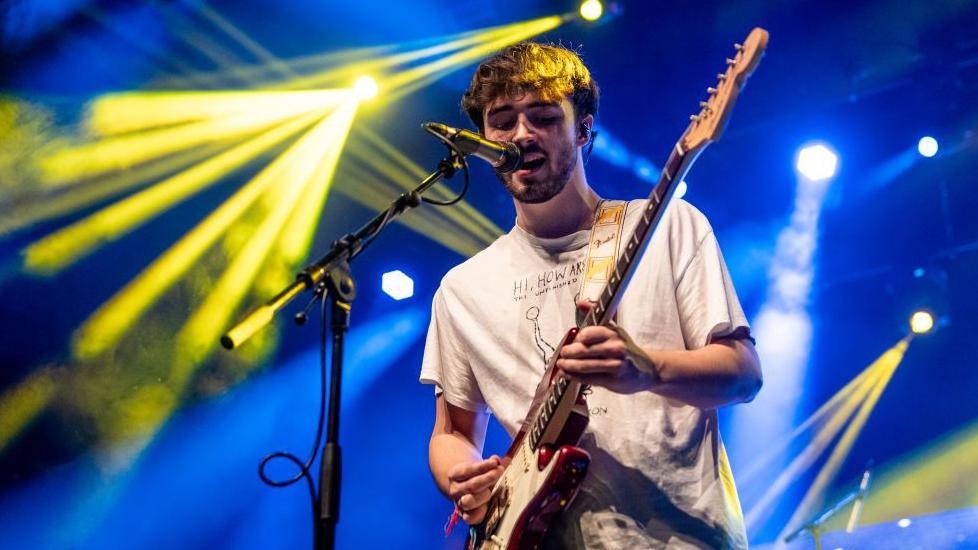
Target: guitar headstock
(707, 126)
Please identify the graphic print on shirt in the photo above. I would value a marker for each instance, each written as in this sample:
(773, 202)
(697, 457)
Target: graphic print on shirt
(532, 315)
(547, 281)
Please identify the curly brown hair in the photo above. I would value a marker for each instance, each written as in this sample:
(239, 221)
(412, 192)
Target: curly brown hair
(552, 71)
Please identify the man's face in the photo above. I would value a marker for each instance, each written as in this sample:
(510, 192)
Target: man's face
(546, 134)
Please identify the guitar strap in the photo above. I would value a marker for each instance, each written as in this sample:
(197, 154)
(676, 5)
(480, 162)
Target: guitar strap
(602, 252)
(602, 257)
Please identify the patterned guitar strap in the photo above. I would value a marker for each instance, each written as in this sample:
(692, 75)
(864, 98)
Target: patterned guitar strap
(602, 257)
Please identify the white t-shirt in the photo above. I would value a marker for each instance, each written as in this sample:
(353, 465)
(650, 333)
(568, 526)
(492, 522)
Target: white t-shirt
(659, 476)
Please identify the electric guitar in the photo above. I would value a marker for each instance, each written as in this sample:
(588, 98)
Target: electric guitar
(546, 468)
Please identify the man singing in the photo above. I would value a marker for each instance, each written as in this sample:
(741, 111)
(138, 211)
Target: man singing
(680, 349)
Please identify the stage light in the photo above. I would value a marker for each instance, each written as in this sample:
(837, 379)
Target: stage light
(591, 10)
(680, 191)
(817, 162)
(905, 522)
(921, 322)
(927, 146)
(397, 285)
(366, 88)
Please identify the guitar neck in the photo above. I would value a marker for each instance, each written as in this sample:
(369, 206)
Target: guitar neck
(675, 169)
(703, 129)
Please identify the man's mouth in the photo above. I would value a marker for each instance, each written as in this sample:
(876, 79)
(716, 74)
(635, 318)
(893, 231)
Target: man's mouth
(531, 163)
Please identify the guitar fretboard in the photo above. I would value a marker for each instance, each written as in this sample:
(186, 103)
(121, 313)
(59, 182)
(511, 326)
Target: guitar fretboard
(602, 312)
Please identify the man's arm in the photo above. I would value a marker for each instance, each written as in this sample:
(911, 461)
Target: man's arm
(724, 372)
(455, 459)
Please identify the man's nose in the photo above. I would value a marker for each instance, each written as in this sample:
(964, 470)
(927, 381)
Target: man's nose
(523, 133)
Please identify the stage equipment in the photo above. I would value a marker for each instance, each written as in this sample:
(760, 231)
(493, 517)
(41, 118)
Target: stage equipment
(397, 285)
(927, 146)
(330, 280)
(817, 162)
(815, 525)
(921, 322)
(504, 156)
(366, 88)
(591, 10)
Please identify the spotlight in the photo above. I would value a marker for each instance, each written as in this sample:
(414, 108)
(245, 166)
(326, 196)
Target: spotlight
(921, 322)
(366, 88)
(816, 162)
(927, 146)
(397, 285)
(591, 10)
(680, 190)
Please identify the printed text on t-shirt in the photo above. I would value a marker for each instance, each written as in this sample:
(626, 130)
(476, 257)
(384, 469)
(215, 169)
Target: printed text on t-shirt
(545, 281)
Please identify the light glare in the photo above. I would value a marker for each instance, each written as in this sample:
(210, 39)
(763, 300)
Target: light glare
(591, 10)
(397, 285)
(817, 162)
(366, 88)
(921, 322)
(927, 146)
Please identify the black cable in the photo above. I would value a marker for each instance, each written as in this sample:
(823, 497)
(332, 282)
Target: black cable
(304, 467)
(465, 171)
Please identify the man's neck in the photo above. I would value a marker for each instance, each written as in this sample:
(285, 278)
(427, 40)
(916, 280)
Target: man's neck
(569, 211)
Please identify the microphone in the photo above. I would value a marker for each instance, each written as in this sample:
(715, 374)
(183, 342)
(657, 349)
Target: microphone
(504, 156)
(857, 506)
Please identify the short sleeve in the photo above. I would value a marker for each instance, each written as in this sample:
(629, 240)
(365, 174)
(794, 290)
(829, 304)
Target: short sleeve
(444, 364)
(708, 304)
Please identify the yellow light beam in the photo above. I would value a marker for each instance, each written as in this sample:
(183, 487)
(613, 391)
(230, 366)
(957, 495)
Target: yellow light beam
(891, 359)
(200, 334)
(410, 174)
(104, 328)
(412, 50)
(450, 225)
(20, 404)
(473, 39)
(122, 152)
(66, 246)
(412, 79)
(859, 383)
(51, 205)
(820, 441)
(257, 74)
(124, 112)
(378, 197)
(939, 476)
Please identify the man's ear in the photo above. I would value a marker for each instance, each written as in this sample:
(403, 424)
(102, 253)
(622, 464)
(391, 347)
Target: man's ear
(585, 130)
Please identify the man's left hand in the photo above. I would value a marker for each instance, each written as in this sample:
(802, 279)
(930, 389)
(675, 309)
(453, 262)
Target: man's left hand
(607, 356)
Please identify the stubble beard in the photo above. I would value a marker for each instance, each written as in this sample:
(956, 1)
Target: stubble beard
(538, 192)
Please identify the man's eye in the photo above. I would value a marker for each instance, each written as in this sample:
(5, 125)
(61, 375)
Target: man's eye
(504, 125)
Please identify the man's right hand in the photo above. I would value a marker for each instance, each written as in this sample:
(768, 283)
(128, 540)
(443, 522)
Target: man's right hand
(470, 486)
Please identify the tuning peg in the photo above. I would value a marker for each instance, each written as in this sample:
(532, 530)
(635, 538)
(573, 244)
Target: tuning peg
(721, 76)
(738, 47)
(694, 118)
(711, 90)
(731, 61)
(703, 105)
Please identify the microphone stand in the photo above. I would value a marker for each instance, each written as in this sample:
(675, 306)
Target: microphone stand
(815, 526)
(330, 278)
